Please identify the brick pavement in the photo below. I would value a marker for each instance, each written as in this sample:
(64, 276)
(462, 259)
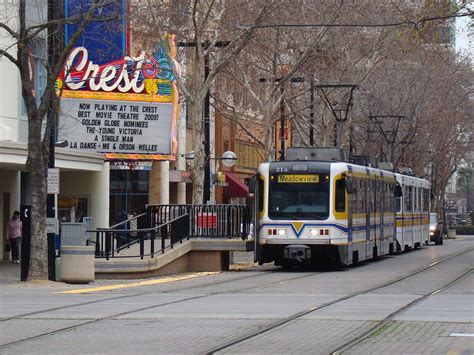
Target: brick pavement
(415, 337)
(302, 337)
(164, 336)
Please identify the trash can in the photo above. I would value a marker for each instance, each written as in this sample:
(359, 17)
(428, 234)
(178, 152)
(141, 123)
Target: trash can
(77, 264)
(452, 233)
(77, 258)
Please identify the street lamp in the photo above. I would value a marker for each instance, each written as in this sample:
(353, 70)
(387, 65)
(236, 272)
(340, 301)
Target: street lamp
(228, 158)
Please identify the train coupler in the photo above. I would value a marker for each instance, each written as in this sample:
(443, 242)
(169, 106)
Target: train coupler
(299, 253)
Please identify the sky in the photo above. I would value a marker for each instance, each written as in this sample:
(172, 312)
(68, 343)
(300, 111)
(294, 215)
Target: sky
(464, 37)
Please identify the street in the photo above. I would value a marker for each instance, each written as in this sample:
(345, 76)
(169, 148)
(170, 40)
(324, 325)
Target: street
(258, 309)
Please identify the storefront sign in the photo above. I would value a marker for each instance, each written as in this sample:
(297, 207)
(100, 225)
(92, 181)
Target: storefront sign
(131, 165)
(127, 109)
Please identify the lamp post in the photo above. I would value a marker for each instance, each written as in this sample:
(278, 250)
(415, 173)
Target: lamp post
(228, 158)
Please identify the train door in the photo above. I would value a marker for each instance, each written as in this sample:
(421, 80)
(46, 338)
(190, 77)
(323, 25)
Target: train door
(368, 251)
(373, 217)
(256, 187)
(416, 217)
(381, 214)
(407, 217)
(376, 217)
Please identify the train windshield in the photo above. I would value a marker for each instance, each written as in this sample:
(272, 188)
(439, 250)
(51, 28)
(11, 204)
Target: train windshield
(299, 196)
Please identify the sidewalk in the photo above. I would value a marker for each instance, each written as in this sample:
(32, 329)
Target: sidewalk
(9, 272)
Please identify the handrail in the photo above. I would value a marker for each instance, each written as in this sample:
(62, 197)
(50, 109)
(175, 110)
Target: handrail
(128, 220)
(136, 230)
(173, 223)
(106, 235)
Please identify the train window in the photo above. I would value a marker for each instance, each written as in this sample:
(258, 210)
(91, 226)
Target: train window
(426, 200)
(399, 204)
(340, 195)
(299, 196)
(261, 192)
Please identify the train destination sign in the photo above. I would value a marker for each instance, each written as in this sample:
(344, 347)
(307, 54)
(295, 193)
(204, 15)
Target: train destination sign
(308, 179)
(126, 108)
(109, 126)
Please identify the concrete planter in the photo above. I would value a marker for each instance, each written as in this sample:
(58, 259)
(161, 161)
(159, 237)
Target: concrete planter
(452, 233)
(77, 264)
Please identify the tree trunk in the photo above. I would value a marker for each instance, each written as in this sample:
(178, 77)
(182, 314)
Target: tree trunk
(197, 173)
(37, 168)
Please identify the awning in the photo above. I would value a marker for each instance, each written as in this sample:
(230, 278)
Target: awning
(235, 187)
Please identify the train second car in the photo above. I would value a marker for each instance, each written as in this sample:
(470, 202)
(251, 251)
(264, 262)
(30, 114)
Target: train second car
(312, 211)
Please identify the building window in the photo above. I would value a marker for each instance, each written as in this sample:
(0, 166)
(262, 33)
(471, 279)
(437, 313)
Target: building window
(248, 155)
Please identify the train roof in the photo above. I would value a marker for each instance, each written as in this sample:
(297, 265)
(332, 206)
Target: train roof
(360, 164)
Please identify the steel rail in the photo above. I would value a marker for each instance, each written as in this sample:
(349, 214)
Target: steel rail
(311, 309)
(264, 273)
(274, 325)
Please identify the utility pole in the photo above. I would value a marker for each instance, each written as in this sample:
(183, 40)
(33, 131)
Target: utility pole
(390, 136)
(282, 123)
(281, 131)
(55, 40)
(207, 116)
(340, 114)
(311, 114)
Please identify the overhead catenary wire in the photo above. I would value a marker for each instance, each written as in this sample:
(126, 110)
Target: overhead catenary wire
(416, 24)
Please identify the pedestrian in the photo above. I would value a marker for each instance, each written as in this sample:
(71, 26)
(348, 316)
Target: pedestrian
(14, 236)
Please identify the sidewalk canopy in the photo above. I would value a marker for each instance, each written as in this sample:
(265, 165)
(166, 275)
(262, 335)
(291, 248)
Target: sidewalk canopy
(235, 187)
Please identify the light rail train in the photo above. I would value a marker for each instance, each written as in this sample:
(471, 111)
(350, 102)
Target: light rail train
(315, 206)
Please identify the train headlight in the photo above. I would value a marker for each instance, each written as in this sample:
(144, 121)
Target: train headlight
(313, 232)
(282, 232)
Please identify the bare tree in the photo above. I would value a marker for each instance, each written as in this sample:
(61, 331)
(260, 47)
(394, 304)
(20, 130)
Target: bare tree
(212, 32)
(22, 33)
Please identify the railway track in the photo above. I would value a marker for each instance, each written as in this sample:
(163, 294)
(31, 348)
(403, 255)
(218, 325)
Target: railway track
(215, 283)
(224, 345)
(372, 330)
(265, 273)
(386, 320)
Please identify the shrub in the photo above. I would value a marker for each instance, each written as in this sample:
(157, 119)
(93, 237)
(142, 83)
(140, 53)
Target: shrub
(465, 230)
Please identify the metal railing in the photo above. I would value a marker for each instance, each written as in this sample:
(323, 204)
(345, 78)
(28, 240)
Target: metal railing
(207, 221)
(107, 245)
(171, 224)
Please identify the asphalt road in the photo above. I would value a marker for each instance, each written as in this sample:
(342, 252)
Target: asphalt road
(259, 310)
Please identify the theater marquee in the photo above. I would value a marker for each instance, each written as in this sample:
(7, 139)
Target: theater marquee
(126, 109)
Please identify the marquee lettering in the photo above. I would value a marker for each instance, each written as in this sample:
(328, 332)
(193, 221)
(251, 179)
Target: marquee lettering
(124, 75)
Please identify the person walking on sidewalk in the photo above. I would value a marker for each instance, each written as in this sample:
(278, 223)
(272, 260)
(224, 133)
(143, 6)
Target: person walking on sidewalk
(14, 235)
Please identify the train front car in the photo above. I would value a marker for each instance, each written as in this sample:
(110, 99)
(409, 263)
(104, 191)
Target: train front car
(303, 213)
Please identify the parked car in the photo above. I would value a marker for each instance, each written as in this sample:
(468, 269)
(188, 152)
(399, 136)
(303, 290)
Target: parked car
(436, 229)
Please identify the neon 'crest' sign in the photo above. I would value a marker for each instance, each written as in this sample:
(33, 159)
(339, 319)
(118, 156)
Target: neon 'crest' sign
(126, 109)
(143, 74)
